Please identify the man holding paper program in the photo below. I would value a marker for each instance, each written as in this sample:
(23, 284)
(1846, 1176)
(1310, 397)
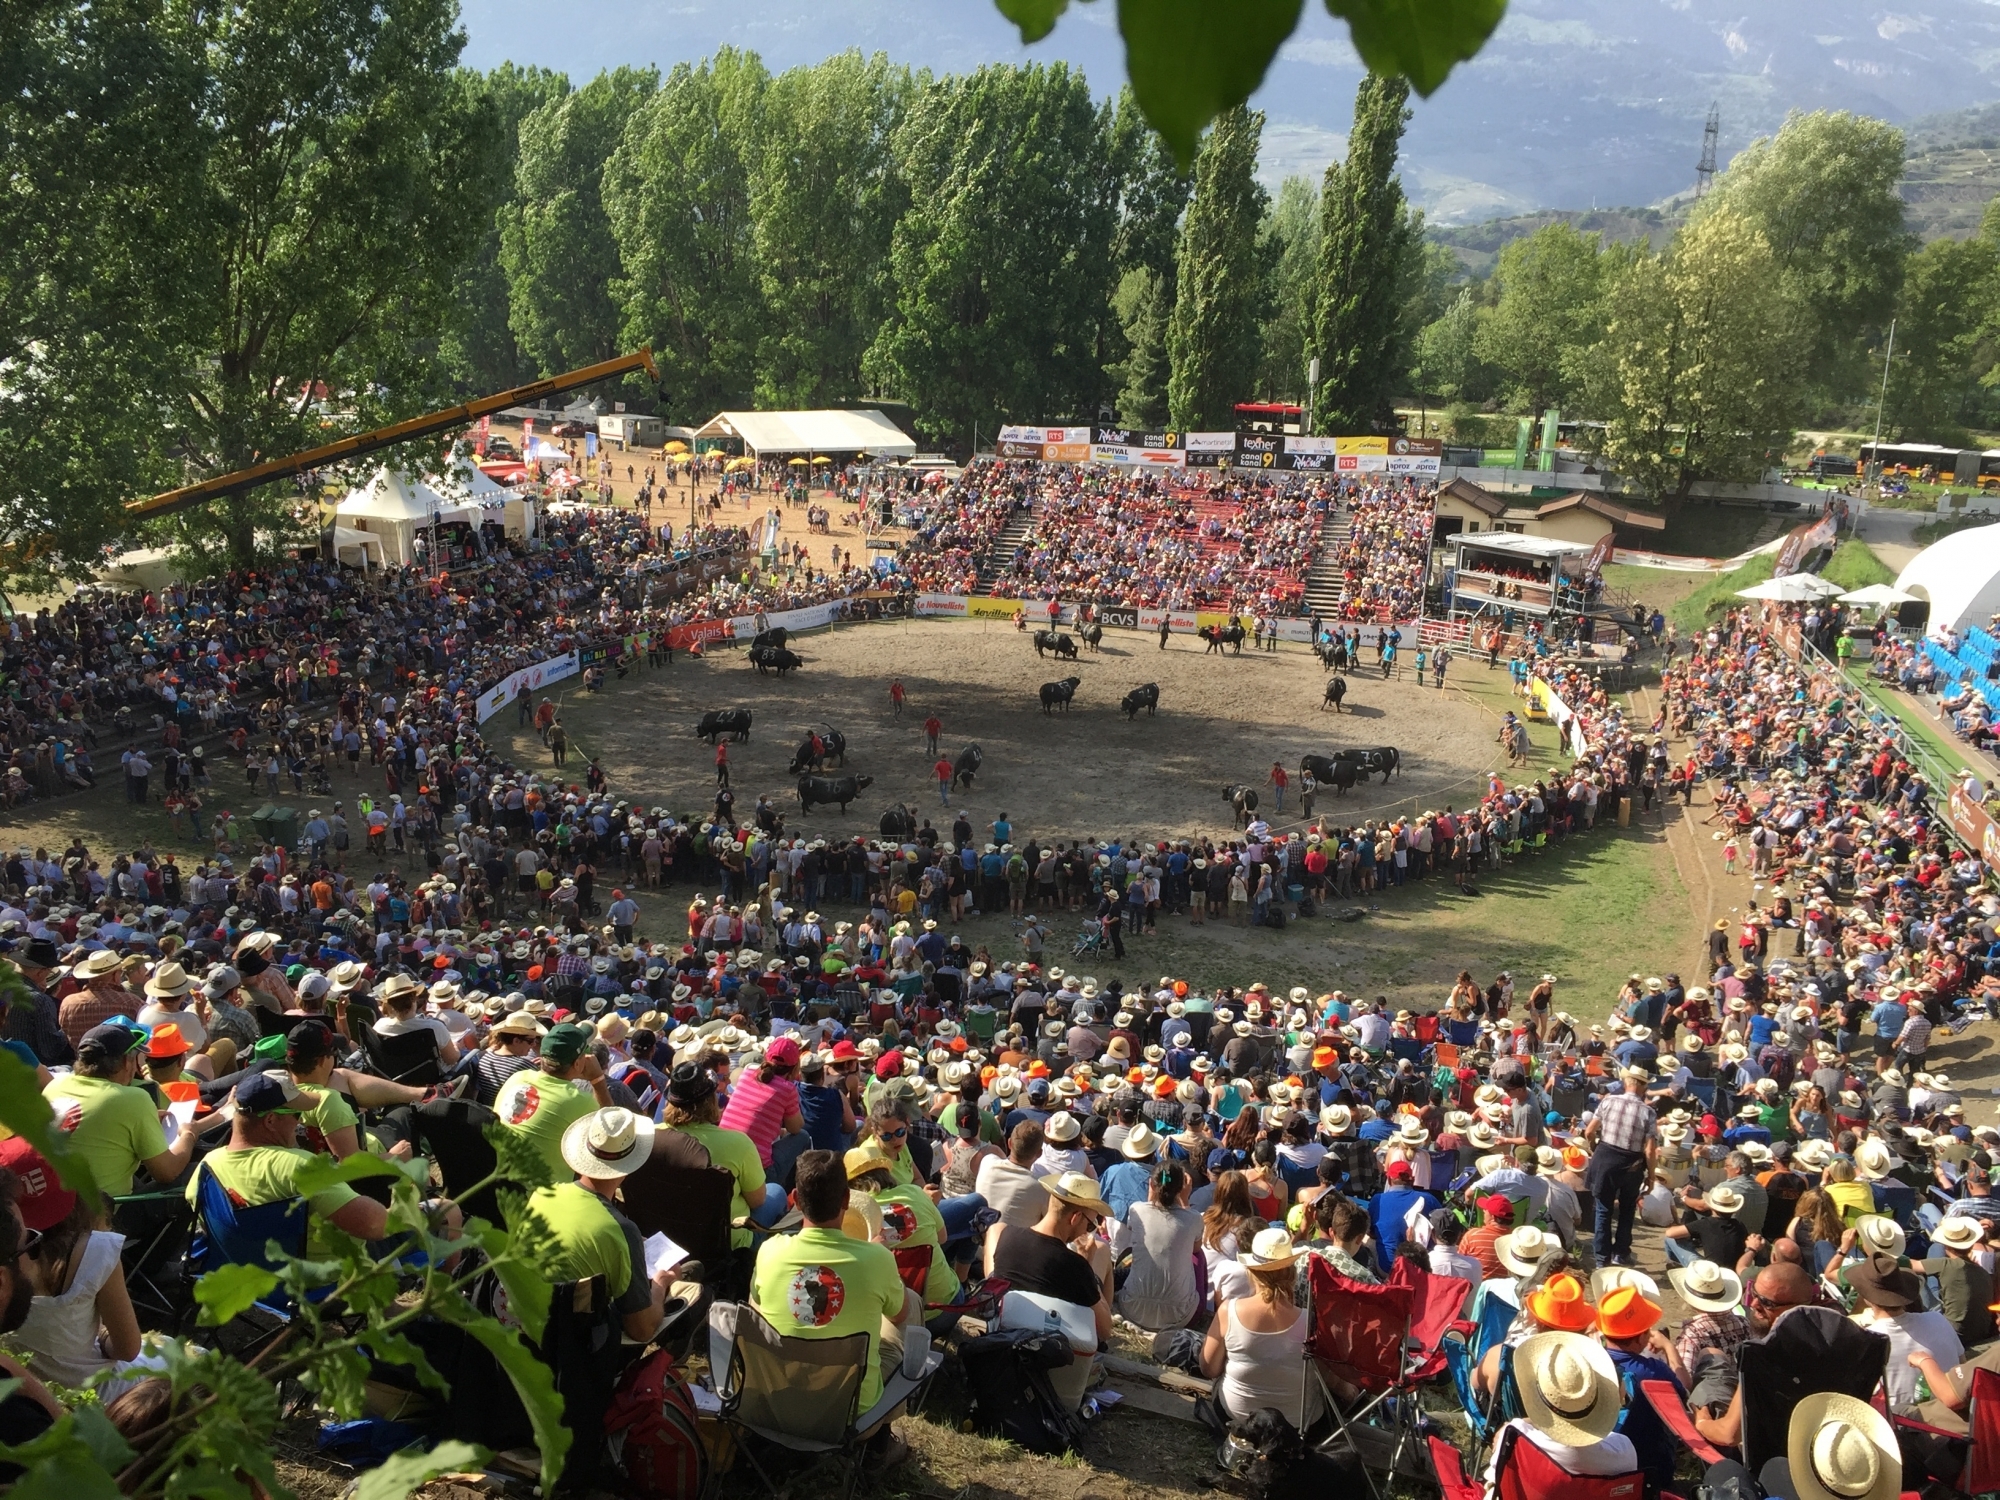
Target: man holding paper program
(593, 1237)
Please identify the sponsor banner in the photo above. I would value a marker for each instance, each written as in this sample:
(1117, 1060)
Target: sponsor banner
(1259, 450)
(1112, 453)
(1413, 464)
(1022, 435)
(941, 606)
(1209, 442)
(815, 617)
(1120, 615)
(1361, 445)
(991, 609)
(683, 636)
(1068, 452)
(534, 678)
(1160, 458)
(1020, 448)
(1210, 460)
(1180, 621)
(1416, 447)
(1314, 446)
(1132, 437)
(1974, 825)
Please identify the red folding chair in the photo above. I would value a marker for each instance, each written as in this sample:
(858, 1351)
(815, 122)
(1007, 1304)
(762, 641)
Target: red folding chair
(1358, 1337)
(1982, 1465)
(1672, 1411)
(1527, 1473)
(1437, 1307)
(913, 1265)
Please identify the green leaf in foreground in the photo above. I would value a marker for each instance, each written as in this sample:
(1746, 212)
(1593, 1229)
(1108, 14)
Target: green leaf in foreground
(1189, 60)
(26, 1113)
(405, 1471)
(1036, 18)
(1423, 40)
(228, 1291)
(533, 1381)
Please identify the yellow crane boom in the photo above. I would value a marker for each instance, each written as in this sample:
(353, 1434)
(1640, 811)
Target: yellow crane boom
(387, 437)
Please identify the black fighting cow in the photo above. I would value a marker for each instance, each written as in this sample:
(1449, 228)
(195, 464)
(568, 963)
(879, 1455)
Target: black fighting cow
(966, 766)
(1059, 693)
(1338, 774)
(1384, 758)
(899, 823)
(777, 635)
(841, 789)
(815, 750)
(1093, 634)
(1147, 697)
(775, 658)
(1219, 636)
(1243, 799)
(1336, 689)
(1056, 641)
(734, 722)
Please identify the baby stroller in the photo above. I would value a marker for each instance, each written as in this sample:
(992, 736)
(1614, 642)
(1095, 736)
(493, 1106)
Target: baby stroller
(1089, 940)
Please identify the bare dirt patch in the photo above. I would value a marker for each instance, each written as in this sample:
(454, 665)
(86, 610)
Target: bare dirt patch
(1222, 719)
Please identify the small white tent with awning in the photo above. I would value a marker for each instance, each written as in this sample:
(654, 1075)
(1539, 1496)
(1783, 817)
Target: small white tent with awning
(473, 495)
(392, 506)
(809, 434)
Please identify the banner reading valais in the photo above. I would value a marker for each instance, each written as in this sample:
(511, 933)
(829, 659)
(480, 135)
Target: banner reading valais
(533, 679)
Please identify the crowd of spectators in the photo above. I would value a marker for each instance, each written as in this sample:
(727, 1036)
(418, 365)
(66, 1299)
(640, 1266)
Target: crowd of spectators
(1387, 549)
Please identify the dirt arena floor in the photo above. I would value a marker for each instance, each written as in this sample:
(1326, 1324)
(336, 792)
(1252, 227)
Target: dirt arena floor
(1086, 772)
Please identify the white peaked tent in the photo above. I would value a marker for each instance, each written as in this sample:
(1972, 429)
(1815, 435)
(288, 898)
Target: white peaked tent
(1958, 576)
(392, 506)
(471, 494)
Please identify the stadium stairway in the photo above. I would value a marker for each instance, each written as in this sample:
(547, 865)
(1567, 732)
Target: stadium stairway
(1000, 556)
(1326, 584)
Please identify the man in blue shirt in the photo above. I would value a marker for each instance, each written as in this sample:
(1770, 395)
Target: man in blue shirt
(1637, 1050)
(1391, 1207)
(1125, 1183)
(1888, 1015)
(1378, 1129)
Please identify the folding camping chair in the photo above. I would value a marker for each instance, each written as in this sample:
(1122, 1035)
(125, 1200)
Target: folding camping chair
(1527, 1473)
(1673, 1414)
(407, 1058)
(1809, 1350)
(800, 1394)
(156, 1227)
(1361, 1336)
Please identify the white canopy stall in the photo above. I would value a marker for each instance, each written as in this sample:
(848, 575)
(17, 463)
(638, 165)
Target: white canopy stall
(473, 495)
(392, 507)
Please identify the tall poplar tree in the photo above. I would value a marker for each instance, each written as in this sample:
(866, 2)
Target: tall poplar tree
(1223, 282)
(1363, 235)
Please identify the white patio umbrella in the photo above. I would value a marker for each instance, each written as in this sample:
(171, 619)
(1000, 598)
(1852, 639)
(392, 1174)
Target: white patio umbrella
(1877, 593)
(1793, 588)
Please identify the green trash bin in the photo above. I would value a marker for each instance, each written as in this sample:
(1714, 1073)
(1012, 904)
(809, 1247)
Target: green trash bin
(276, 825)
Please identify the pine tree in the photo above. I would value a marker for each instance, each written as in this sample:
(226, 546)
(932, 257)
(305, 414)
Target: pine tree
(1223, 279)
(1363, 229)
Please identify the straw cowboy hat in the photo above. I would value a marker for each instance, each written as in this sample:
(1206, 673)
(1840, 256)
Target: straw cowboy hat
(1842, 1449)
(610, 1142)
(1959, 1233)
(1878, 1234)
(1707, 1286)
(1873, 1161)
(169, 982)
(1062, 1127)
(1724, 1199)
(1140, 1142)
(1077, 1189)
(1521, 1250)
(97, 965)
(1271, 1250)
(1569, 1389)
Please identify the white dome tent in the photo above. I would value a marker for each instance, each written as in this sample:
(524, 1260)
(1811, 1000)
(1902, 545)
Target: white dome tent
(1959, 577)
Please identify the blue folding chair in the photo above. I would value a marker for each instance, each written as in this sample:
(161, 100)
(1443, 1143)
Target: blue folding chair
(228, 1235)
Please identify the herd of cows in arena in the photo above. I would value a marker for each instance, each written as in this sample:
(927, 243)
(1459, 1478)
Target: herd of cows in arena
(769, 652)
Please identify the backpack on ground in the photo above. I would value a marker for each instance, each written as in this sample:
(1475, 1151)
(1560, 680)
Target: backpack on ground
(652, 1434)
(1007, 1376)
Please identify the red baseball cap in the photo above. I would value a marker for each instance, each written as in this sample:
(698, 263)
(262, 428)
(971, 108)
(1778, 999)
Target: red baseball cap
(1495, 1203)
(1400, 1171)
(889, 1065)
(43, 1200)
(845, 1051)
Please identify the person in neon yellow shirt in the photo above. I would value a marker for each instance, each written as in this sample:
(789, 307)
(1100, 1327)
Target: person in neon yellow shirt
(819, 1284)
(114, 1126)
(909, 1219)
(692, 1108)
(541, 1102)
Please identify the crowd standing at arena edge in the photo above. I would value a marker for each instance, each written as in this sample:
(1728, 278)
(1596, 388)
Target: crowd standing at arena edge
(1166, 1159)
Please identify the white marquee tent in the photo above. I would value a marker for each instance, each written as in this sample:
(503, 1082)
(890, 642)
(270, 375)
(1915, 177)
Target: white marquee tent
(808, 434)
(392, 506)
(1959, 577)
